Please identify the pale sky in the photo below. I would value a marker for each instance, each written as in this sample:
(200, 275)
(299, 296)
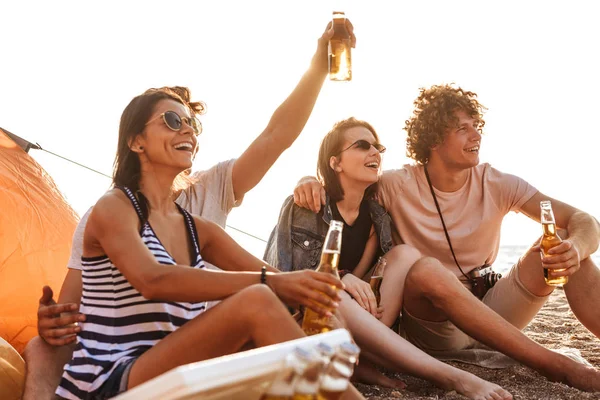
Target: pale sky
(68, 68)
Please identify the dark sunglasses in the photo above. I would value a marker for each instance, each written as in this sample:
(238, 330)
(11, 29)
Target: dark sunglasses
(366, 146)
(174, 122)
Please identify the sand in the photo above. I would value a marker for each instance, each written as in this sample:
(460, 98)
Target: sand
(554, 327)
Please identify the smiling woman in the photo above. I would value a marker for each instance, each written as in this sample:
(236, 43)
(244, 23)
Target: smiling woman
(135, 150)
(144, 281)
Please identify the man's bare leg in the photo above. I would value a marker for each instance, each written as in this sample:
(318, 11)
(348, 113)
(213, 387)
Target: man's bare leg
(583, 294)
(44, 365)
(581, 290)
(376, 338)
(434, 293)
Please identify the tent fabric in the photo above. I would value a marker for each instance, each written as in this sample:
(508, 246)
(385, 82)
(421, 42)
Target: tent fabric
(36, 229)
(24, 144)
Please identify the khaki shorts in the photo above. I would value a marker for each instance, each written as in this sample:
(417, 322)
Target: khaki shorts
(508, 297)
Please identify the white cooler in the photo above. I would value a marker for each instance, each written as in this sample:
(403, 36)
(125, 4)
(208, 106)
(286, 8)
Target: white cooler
(243, 376)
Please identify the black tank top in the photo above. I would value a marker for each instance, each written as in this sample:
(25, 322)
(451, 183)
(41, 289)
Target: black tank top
(354, 237)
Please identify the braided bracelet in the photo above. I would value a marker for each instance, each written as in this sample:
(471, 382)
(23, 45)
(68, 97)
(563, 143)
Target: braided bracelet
(263, 275)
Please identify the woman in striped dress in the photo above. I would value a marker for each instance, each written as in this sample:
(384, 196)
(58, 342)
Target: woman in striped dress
(144, 282)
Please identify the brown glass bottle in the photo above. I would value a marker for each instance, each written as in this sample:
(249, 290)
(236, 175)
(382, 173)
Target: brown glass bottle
(549, 240)
(377, 278)
(340, 56)
(314, 323)
(282, 388)
(336, 379)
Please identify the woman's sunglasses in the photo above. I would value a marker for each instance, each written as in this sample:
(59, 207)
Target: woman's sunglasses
(174, 122)
(364, 145)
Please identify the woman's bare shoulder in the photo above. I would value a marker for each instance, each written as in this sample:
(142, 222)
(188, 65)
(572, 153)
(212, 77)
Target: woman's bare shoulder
(112, 205)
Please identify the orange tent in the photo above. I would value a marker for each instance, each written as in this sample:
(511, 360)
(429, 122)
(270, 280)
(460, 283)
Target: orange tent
(36, 228)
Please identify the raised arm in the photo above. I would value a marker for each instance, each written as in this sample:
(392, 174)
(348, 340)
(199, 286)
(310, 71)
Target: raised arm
(286, 123)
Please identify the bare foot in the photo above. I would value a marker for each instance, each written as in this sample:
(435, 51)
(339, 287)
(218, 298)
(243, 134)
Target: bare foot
(476, 388)
(367, 373)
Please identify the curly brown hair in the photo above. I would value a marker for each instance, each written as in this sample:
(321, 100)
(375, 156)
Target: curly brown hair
(434, 113)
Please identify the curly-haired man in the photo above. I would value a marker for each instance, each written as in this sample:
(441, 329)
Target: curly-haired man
(450, 208)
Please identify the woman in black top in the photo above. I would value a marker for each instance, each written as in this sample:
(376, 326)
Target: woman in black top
(349, 166)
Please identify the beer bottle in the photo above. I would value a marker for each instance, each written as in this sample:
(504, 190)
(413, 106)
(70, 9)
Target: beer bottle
(336, 378)
(347, 353)
(325, 351)
(340, 59)
(549, 240)
(313, 323)
(377, 278)
(282, 387)
(306, 386)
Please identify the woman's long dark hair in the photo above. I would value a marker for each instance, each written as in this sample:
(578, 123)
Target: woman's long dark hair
(331, 145)
(127, 167)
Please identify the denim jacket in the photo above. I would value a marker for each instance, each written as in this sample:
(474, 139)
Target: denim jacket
(296, 241)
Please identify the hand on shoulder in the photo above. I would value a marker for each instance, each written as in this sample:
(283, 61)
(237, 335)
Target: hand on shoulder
(309, 193)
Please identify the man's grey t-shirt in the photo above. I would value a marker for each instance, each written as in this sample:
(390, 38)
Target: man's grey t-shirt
(209, 196)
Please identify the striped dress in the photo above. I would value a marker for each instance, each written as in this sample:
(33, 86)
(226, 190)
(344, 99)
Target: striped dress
(120, 323)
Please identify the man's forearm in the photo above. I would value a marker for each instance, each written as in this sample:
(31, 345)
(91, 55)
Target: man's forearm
(584, 231)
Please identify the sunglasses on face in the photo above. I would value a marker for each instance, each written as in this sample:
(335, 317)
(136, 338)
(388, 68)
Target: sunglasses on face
(174, 122)
(362, 144)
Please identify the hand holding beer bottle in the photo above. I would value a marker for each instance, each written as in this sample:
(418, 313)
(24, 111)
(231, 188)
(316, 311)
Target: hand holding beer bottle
(315, 290)
(339, 48)
(332, 33)
(314, 323)
(549, 240)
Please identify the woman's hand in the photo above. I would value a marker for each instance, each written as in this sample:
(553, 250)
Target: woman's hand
(54, 326)
(315, 290)
(362, 293)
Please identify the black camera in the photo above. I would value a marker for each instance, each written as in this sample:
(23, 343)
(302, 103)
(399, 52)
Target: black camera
(483, 279)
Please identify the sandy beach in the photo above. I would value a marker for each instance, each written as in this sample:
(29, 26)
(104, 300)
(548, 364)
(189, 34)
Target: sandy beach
(554, 327)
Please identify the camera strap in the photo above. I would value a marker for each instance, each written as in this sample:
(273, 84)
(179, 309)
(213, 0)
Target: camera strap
(444, 224)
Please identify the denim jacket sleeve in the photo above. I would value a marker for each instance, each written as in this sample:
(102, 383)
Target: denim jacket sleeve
(296, 241)
(383, 225)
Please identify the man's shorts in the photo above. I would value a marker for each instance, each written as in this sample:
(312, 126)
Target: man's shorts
(508, 297)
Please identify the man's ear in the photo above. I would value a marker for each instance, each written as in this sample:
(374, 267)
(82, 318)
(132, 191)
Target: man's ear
(334, 164)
